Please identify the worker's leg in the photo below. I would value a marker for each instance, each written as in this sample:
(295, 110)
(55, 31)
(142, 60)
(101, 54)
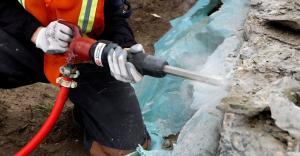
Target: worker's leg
(20, 63)
(109, 112)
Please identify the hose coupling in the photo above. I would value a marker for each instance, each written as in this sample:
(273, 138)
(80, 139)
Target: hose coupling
(68, 83)
(68, 72)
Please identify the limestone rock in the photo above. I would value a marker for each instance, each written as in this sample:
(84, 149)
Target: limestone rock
(282, 103)
(262, 110)
(251, 136)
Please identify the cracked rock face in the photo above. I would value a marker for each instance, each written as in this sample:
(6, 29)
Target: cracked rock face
(251, 136)
(284, 106)
(262, 111)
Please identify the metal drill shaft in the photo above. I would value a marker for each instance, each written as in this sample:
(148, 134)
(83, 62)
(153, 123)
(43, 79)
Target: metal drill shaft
(193, 76)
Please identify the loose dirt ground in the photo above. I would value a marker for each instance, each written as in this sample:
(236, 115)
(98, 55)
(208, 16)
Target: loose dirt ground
(24, 109)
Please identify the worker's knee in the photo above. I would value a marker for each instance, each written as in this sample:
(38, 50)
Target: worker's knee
(101, 150)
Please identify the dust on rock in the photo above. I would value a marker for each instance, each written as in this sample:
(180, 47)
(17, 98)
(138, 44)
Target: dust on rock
(265, 82)
(24, 109)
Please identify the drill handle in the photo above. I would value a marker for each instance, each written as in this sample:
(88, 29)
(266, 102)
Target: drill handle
(147, 64)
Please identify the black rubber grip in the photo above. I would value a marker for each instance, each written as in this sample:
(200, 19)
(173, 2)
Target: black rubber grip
(147, 64)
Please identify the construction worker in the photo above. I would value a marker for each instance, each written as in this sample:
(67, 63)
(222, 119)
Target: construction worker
(105, 103)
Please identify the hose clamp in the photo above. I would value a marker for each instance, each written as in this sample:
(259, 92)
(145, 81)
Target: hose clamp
(66, 83)
(68, 72)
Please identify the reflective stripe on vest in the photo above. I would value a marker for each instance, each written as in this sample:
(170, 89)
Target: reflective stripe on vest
(87, 15)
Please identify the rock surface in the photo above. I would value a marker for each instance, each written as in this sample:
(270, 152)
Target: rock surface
(262, 110)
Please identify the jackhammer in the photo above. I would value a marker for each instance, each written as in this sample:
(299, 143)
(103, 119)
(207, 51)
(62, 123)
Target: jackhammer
(145, 64)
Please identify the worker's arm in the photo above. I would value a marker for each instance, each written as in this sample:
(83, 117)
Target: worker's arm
(117, 28)
(125, 65)
(16, 21)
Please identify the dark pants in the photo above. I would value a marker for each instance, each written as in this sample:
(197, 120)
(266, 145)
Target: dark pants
(108, 108)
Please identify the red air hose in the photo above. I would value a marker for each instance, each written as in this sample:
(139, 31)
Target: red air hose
(48, 125)
(57, 108)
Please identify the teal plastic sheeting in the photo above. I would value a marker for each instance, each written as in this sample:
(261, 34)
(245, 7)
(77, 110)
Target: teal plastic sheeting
(204, 44)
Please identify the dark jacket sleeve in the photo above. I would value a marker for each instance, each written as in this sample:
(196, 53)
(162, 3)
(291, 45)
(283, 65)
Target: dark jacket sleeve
(16, 21)
(117, 28)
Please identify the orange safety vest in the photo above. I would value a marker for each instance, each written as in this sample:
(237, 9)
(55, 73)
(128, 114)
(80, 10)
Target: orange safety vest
(87, 14)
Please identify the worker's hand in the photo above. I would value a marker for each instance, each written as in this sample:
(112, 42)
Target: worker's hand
(54, 38)
(106, 53)
(120, 68)
(127, 66)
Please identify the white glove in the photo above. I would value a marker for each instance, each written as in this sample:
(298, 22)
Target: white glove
(54, 38)
(120, 68)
